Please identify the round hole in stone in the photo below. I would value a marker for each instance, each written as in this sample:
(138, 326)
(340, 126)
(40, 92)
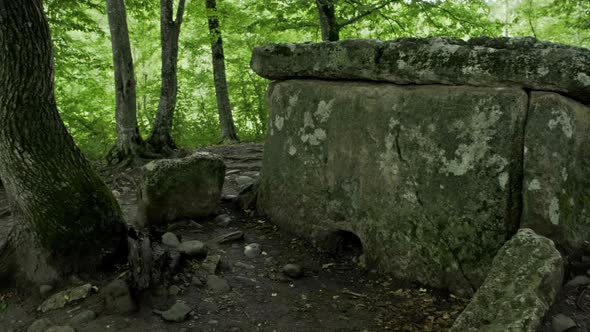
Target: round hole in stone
(345, 244)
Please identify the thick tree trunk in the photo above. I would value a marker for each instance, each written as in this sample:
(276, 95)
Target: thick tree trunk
(67, 219)
(129, 141)
(161, 137)
(328, 23)
(228, 129)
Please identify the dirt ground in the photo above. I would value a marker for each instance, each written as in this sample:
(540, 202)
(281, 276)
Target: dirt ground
(335, 292)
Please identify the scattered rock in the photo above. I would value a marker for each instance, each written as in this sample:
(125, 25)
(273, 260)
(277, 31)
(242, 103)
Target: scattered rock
(117, 297)
(229, 198)
(244, 265)
(61, 329)
(59, 300)
(192, 248)
(196, 281)
(170, 239)
(83, 317)
(174, 290)
(233, 171)
(293, 271)
(243, 180)
(252, 250)
(177, 313)
(223, 220)
(211, 263)
(577, 282)
(233, 236)
(562, 323)
(217, 285)
(187, 187)
(185, 226)
(525, 276)
(44, 290)
(40, 325)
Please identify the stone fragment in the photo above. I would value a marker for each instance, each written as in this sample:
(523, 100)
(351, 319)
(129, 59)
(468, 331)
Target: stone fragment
(427, 177)
(252, 250)
(243, 180)
(174, 290)
(556, 189)
(245, 266)
(494, 62)
(45, 289)
(217, 284)
(229, 237)
(61, 329)
(61, 299)
(174, 189)
(293, 270)
(185, 226)
(521, 286)
(223, 220)
(117, 297)
(196, 281)
(578, 281)
(211, 263)
(562, 323)
(170, 239)
(83, 317)
(40, 325)
(192, 248)
(177, 313)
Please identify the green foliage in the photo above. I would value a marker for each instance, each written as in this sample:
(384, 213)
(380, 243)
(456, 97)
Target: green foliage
(83, 59)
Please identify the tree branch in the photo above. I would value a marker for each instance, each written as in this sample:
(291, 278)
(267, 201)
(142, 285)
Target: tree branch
(180, 12)
(365, 14)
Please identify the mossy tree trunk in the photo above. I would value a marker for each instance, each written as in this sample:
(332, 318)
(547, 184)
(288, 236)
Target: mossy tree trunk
(226, 120)
(129, 141)
(328, 24)
(67, 219)
(161, 137)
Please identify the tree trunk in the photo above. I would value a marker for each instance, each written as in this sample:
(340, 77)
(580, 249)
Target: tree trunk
(161, 137)
(228, 129)
(67, 219)
(129, 141)
(328, 24)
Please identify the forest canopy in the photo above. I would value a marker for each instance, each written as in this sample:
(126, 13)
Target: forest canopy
(84, 64)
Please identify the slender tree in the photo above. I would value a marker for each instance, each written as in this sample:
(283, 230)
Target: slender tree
(67, 219)
(228, 129)
(129, 141)
(331, 26)
(161, 138)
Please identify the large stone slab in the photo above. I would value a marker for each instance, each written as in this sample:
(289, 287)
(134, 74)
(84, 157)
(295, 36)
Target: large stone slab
(518, 62)
(428, 177)
(525, 277)
(188, 187)
(557, 169)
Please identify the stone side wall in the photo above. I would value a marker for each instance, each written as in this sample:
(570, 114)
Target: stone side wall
(432, 178)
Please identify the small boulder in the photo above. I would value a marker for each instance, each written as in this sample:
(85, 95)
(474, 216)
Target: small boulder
(244, 181)
(217, 285)
(223, 220)
(252, 250)
(174, 189)
(177, 313)
(578, 281)
(211, 263)
(83, 317)
(170, 239)
(293, 270)
(562, 323)
(61, 329)
(61, 299)
(192, 248)
(229, 237)
(44, 290)
(117, 297)
(524, 278)
(40, 325)
(174, 290)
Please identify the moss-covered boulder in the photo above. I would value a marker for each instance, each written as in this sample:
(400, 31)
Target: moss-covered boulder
(516, 62)
(174, 189)
(428, 177)
(557, 170)
(522, 284)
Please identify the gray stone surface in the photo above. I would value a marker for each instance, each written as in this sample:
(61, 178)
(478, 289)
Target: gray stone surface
(61, 328)
(117, 297)
(192, 248)
(83, 317)
(417, 173)
(177, 313)
(556, 169)
(252, 250)
(40, 325)
(174, 189)
(293, 270)
(517, 62)
(217, 284)
(170, 239)
(61, 299)
(525, 277)
(562, 323)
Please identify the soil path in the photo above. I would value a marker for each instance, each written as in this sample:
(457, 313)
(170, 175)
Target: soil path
(335, 293)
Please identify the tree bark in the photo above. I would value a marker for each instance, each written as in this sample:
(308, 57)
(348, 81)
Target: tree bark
(129, 141)
(329, 25)
(228, 129)
(161, 137)
(67, 219)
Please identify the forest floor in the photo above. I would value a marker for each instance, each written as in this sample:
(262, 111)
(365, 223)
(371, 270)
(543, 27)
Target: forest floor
(335, 293)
